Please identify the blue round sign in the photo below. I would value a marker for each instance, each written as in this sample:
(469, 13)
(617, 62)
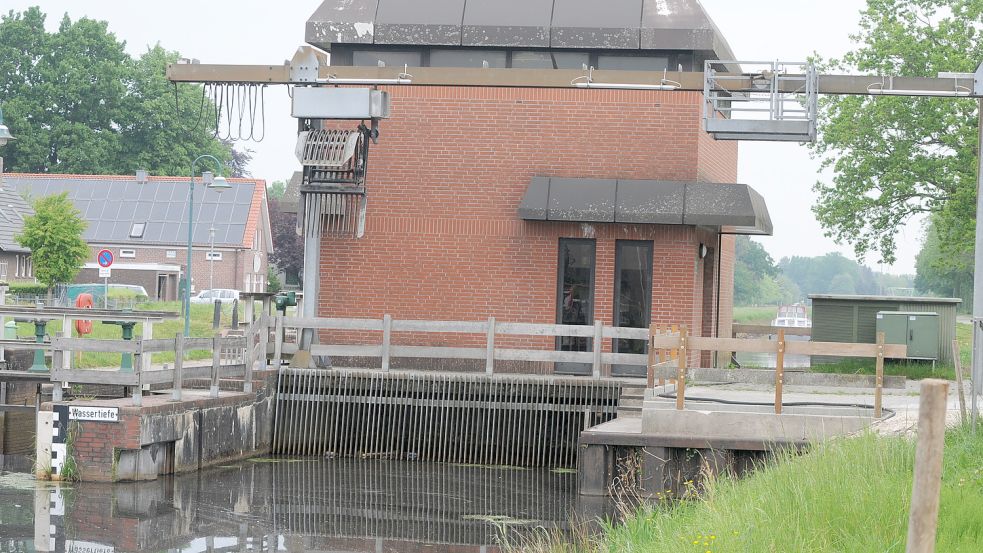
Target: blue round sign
(105, 258)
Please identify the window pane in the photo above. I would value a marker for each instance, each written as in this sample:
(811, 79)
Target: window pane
(633, 291)
(467, 58)
(371, 58)
(633, 63)
(576, 290)
(545, 60)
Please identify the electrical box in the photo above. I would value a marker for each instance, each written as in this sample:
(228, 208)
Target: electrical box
(918, 331)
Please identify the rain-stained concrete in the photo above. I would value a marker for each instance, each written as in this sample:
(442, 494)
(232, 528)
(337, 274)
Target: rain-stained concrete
(298, 504)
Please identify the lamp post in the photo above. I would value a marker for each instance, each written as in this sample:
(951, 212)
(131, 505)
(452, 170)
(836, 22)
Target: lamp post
(217, 183)
(5, 137)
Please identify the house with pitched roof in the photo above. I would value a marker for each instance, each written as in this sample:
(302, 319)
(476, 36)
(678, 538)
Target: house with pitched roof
(143, 220)
(15, 260)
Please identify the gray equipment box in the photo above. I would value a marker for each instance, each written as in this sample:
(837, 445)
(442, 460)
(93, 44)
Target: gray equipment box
(919, 331)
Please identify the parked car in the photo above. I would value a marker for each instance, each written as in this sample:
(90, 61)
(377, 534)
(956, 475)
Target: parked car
(225, 295)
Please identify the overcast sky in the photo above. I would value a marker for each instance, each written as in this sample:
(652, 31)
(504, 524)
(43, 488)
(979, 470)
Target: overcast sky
(263, 32)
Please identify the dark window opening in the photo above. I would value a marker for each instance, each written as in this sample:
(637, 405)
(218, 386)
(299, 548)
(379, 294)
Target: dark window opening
(467, 58)
(530, 59)
(633, 63)
(575, 297)
(632, 298)
(387, 58)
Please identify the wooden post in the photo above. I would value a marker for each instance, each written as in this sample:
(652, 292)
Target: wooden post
(247, 310)
(216, 363)
(924, 515)
(957, 364)
(387, 338)
(879, 376)
(490, 348)
(779, 372)
(681, 371)
(650, 374)
(178, 366)
(137, 391)
(57, 363)
(250, 353)
(147, 334)
(598, 344)
(278, 342)
(264, 337)
(661, 357)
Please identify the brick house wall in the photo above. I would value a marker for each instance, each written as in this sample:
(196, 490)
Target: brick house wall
(443, 240)
(8, 267)
(234, 270)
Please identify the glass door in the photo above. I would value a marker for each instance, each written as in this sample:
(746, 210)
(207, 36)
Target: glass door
(632, 299)
(575, 298)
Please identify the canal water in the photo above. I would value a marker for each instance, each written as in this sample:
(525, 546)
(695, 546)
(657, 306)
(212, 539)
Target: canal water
(769, 360)
(295, 505)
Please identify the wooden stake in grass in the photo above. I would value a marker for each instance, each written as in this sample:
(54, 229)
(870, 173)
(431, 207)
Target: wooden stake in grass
(681, 370)
(957, 364)
(879, 376)
(924, 516)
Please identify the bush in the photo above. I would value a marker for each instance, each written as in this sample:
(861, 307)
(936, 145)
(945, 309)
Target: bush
(28, 289)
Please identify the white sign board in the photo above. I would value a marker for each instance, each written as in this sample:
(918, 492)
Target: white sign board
(105, 272)
(87, 547)
(98, 414)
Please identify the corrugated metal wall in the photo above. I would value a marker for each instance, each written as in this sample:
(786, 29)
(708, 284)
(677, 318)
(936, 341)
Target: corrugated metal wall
(855, 320)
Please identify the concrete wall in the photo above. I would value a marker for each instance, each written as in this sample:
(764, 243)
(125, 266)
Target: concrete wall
(443, 240)
(169, 437)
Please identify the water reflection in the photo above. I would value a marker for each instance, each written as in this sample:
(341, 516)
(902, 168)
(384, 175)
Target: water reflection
(769, 360)
(293, 505)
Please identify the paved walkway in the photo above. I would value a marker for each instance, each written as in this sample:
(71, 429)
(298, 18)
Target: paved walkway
(903, 402)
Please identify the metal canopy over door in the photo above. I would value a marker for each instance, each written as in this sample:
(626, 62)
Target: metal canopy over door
(632, 299)
(575, 298)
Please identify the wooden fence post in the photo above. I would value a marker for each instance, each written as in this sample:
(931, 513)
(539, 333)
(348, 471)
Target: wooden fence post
(598, 344)
(924, 515)
(681, 371)
(216, 363)
(387, 338)
(490, 348)
(278, 342)
(250, 355)
(662, 355)
(650, 374)
(137, 391)
(57, 364)
(879, 376)
(779, 372)
(178, 366)
(957, 364)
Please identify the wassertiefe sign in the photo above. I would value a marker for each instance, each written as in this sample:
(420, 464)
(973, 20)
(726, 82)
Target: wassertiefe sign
(99, 414)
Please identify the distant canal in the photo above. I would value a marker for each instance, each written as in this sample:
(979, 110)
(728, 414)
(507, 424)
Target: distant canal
(769, 360)
(295, 505)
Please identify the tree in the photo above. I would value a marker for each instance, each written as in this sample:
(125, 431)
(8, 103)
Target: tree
(54, 236)
(277, 190)
(830, 273)
(288, 246)
(942, 274)
(896, 157)
(753, 273)
(78, 103)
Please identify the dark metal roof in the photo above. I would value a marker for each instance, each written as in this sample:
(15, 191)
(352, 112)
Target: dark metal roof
(896, 299)
(734, 208)
(13, 209)
(111, 205)
(681, 25)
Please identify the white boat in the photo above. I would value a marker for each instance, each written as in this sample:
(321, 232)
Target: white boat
(794, 315)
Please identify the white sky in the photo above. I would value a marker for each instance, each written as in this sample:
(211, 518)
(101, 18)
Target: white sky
(263, 32)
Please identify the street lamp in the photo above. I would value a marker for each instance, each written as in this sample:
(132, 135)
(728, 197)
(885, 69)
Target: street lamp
(5, 137)
(217, 183)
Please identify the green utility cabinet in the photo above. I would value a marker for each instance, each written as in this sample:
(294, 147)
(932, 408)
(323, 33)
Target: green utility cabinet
(918, 331)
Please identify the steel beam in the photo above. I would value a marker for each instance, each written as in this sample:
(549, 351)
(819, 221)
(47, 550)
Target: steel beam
(539, 78)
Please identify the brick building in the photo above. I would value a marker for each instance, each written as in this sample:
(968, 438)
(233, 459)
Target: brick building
(535, 203)
(142, 219)
(15, 260)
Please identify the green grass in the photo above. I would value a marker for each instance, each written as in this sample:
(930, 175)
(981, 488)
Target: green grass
(751, 315)
(846, 495)
(201, 326)
(914, 370)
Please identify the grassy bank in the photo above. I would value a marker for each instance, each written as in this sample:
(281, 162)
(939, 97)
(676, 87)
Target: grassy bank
(747, 314)
(849, 495)
(201, 326)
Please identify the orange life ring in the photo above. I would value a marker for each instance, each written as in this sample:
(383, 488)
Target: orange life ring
(83, 301)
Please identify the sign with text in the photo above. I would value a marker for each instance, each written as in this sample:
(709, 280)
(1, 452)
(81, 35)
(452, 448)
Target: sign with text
(97, 414)
(105, 272)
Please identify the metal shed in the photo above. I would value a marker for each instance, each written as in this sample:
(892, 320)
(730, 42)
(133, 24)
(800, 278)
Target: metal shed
(849, 318)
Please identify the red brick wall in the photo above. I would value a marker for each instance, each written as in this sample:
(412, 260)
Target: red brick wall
(443, 240)
(95, 443)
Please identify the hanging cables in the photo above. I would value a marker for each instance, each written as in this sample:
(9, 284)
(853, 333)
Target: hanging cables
(240, 111)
